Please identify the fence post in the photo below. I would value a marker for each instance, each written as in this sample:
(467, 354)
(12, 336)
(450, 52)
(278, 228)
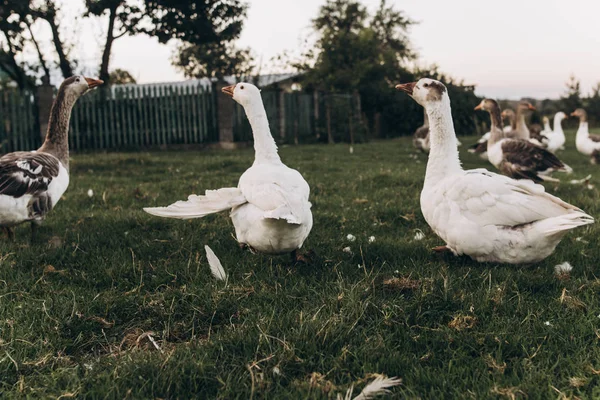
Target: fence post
(224, 116)
(281, 107)
(45, 97)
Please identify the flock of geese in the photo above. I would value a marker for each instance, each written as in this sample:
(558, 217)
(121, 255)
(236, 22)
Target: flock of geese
(486, 216)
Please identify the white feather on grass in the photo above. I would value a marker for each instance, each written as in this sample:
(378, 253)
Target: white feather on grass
(378, 387)
(563, 269)
(215, 265)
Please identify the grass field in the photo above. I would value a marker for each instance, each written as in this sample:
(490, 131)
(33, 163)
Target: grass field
(115, 303)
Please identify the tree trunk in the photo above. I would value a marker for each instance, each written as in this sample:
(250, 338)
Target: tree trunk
(63, 62)
(46, 78)
(110, 38)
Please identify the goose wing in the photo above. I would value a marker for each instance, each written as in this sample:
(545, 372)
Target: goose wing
(487, 198)
(522, 158)
(281, 192)
(27, 173)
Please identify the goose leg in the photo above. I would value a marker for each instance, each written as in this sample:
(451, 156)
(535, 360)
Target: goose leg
(306, 258)
(10, 233)
(34, 230)
(441, 249)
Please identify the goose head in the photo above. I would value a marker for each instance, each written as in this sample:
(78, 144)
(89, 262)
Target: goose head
(508, 113)
(76, 86)
(580, 113)
(244, 93)
(525, 107)
(427, 92)
(488, 105)
(560, 115)
(545, 120)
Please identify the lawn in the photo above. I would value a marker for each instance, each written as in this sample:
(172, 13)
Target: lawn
(114, 303)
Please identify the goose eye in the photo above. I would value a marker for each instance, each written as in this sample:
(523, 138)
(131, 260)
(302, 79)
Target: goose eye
(242, 87)
(426, 84)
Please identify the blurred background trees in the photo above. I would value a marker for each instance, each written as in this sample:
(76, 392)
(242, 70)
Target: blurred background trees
(354, 52)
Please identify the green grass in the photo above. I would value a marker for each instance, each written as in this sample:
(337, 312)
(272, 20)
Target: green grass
(75, 306)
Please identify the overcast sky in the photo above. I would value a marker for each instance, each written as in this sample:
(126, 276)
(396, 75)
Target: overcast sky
(509, 49)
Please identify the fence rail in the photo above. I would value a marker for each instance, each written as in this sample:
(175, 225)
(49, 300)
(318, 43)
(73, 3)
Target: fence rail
(141, 116)
(19, 129)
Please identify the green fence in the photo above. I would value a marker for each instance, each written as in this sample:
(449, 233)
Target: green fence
(142, 115)
(139, 116)
(19, 129)
(299, 117)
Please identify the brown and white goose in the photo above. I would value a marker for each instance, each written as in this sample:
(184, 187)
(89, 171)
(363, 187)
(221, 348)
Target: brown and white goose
(512, 120)
(517, 158)
(585, 142)
(421, 136)
(31, 183)
(513, 130)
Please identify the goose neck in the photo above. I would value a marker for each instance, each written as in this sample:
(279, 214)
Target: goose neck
(264, 145)
(57, 140)
(443, 156)
(522, 129)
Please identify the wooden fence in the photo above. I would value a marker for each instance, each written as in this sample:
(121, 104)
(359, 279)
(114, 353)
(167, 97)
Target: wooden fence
(137, 116)
(19, 129)
(141, 116)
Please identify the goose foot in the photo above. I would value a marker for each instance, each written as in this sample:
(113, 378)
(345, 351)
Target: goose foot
(441, 250)
(10, 233)
(244, 246)
(306, 258)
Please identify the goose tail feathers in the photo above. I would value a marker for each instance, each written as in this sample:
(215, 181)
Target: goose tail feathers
(213, 201)
(562, 223)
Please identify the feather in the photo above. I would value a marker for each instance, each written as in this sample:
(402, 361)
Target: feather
(212, 202)
(378, 387)
(215, 265)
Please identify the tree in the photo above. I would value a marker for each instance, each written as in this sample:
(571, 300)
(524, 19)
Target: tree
(593, 104)
(357, 52)
(121, 77)
(49, 12)
(16, 20)
(572, 97)
(12, 41)
(213, 60)
(120, 12)
(194, 21)
(208, 38)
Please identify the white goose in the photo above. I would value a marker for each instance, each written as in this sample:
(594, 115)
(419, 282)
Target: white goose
(585, 142)
(31, 183)
(489, 217)
(546, 130)
(269, 208)
(556, 137)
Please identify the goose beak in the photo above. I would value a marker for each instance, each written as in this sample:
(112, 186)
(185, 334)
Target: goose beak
(478, 107)
(532, 108)
(573, 114)
(228, 90)
(407, 87)
(92, 83)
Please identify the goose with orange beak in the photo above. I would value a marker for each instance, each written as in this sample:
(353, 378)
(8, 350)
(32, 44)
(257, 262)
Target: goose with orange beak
(585, 142)
(486, 216)
(31, 183)
(270, 210)
(517, 158)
